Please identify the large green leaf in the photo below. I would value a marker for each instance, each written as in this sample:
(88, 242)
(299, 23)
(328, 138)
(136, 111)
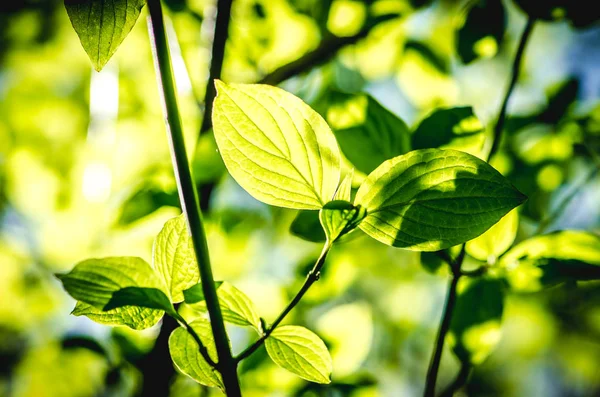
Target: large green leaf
(174, 257)
(186, 356)
(275, 146)
(102, 25)
(94, 281)
(367, 132)
(301, 352)
(236, 307)
(475, 329)
(432, 199)
(134, 317)
(550, 259)
(151, 298)
(496, 240)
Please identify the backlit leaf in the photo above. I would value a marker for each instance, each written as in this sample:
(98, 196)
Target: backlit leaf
(432, 199)
(340, 217)
(151, 298)
(275, 146)
(186, 355)
(134, 317)
(301, 352)
(195, 293)
(496, 240)
(174, 257)
(102, 25)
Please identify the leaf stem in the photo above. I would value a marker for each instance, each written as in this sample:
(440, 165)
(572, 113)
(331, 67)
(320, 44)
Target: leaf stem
(516, 68)
(459, 381)
(434, 364)
(216, 63)
(189, 196)
(192, 332)
(311, 278)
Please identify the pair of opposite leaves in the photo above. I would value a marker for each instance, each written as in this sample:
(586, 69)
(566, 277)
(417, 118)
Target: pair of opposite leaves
(284, 154)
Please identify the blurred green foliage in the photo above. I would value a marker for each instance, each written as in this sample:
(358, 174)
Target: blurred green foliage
(85, 172)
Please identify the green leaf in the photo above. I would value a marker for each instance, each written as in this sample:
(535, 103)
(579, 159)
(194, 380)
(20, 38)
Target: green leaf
(186, 356)
(496, 240)
(344, 190)
(340, 217)
(236, 307)
(307, 226)
(432, 199)
(483, 31)
(431, 262)
(174, 257)
(475, 329)
(94, 281)
(134, 317)
(550, 259)
(195, 294)
(448, 127)
(102, 25)
(275, 146)
(301, 352)
(367, 132)
(151, 298)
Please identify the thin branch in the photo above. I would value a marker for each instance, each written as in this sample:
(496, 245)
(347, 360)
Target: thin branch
(516, 68)
(216, 62)
(323, 53)
(459, 381)
(192, 332)
(188, 194)
(311, 278)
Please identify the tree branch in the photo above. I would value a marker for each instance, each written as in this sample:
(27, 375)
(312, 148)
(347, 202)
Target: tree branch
(459, 381)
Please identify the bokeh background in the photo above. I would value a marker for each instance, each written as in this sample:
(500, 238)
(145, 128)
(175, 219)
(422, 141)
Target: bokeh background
(85, 172)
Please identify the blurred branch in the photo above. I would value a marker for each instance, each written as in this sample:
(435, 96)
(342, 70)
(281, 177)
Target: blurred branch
(459, 381)
(323, 53)
(311, 278)
(516, 68)
(216, 62)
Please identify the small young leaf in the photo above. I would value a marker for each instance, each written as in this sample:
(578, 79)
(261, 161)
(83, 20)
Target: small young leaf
(367, 132)
(340, 217)
(236, 307)
(431, 262)
(344, 191)
(134, 317)
(432, 199)
(476, 324)
(275, 146)
(151, 298)
(444, 126)
(174, 257)
(195, 294)
(94, 281)
(496, 240)
(186, 355)
(307, 226)
(102, 25)
(301, 352)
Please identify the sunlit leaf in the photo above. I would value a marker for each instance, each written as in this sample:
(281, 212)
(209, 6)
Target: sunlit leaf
(134, 317)
(301, 352)
(102, 25)
(344, 191)
(186, 355)
(432, 199)
(275, 146)
(476, 323)
(339, 218)
(236, 307)
(367, 132)
(94, 281)
(550, 259)
(195, 293)
(446, 126)
(174, 257)
(483, 31)
(496, 240)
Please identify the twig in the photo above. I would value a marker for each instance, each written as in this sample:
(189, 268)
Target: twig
(216, 62)
(459, 381)
(311, 278)
(516, 68)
